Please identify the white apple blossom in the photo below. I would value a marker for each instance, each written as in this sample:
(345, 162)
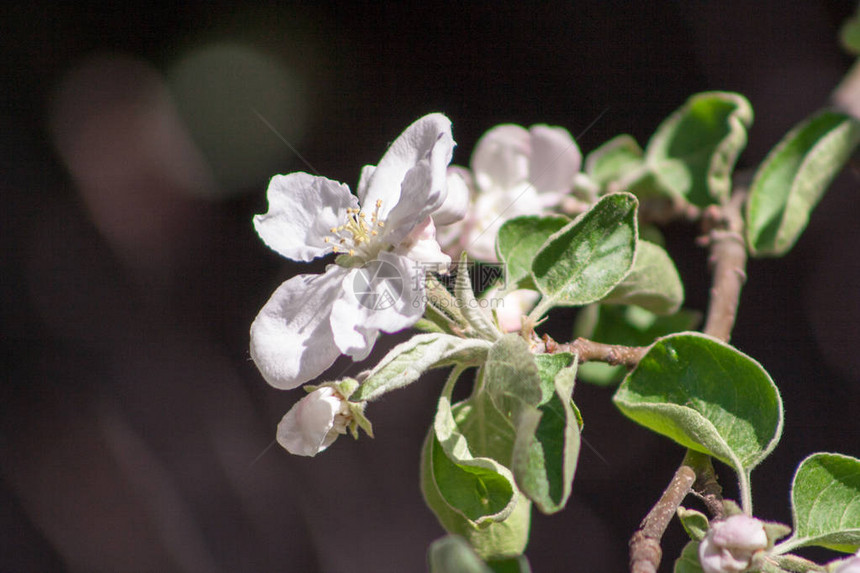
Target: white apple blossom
(314, 422)
(729, 545)
(376, 284)
(514, 172)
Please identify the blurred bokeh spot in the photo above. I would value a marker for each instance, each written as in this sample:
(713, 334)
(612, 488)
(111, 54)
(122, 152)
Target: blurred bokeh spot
(245, 110)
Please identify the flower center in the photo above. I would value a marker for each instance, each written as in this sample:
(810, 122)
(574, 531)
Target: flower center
(355, 234)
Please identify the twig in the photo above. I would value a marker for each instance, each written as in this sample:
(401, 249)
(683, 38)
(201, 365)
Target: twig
(706, 487)
(664, 210)
(645, 550)
(724, 235)
(590, 351)
(694, 475)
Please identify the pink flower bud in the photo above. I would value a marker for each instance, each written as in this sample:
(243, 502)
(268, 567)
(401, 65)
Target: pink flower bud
(314, 422)
(730, 544)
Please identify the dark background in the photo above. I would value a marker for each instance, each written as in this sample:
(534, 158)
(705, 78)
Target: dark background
(135, 147)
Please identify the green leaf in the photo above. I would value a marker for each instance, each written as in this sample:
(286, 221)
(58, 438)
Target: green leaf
(693, 152)
(825, 502)
(653, 283)
(517, 564)
(695, 523)
(793, 178)
(407, 361)
(495, 539)
(688, 562)
(548, 437)
(614, 159)
(628, 326)
(453, 554)
(518, 242)
(489, 433)
(708, 397)
(511, 375)
(479, 488)
(588, 257)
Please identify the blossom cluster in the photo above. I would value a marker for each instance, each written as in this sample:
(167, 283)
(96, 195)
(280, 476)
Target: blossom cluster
(412, 210)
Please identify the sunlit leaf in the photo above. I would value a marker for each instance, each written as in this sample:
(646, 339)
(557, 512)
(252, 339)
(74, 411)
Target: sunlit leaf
(793, 178)
(406, 362)
(548, 437)
(588, 257)
(653, 283)
(825, 500)
(518, 242)
(707, 396)
(693, 152)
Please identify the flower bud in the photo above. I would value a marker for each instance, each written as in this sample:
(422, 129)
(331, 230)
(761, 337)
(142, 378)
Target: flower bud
(730, 544)
(513, 307)
(314, 422)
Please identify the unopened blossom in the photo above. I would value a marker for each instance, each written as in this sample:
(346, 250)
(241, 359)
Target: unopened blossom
(850, 565)
(514, 172)
(511, 308)
(382, 237)
(314, 422)
(730, 544)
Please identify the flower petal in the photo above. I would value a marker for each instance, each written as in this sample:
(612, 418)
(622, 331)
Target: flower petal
(423, 191)
(302, 210)
(307, 429)
(363, 182)
(291, 338)
(431, 133)
(386, 294)
(555, 158)
(490, 210)
(456, 203)
(501, 158)
(421, 246)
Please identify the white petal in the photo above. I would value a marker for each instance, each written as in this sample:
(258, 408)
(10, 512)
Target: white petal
(363, 181)
(291, 338)
(430, 133)
(457, 199)
(490, 211)
(386, 294)
(423, 191)
(421, 246)
(307, 429)
(302, 210)
(555, 158)
(501, 157)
